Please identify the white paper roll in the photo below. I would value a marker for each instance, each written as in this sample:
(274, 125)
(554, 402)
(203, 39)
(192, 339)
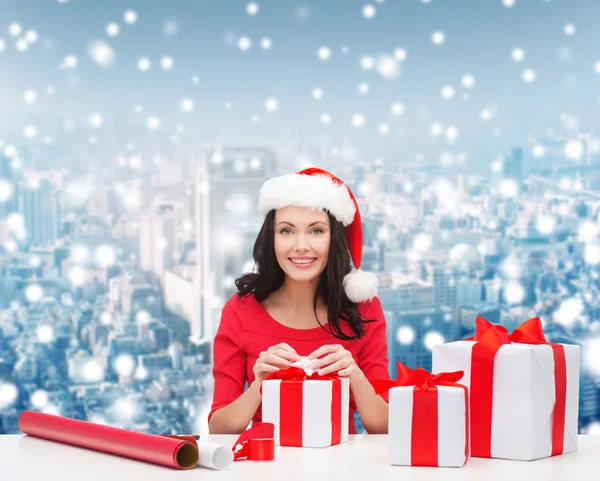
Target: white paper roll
(214, 456)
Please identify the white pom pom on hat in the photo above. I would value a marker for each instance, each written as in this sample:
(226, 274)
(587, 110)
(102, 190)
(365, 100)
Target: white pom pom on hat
(318, 189)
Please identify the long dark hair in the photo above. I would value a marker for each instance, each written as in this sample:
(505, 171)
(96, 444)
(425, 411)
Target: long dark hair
(268, 277)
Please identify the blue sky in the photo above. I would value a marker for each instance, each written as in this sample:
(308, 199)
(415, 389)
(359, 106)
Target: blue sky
(480, 36)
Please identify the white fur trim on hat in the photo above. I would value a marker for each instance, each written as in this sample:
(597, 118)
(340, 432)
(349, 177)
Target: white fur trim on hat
(360, 285)
(314, 191)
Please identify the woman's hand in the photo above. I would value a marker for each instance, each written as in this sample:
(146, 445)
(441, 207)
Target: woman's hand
(335, 358)
(273, 359)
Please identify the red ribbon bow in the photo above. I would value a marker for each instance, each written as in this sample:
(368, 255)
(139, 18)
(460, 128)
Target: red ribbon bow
(424, 434)
(490, 337)
(291, 393)
(419, 378)
(298, 374)
(257, 443)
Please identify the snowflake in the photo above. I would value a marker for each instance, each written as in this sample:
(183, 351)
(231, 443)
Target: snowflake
(573, 149)
(384, 129)
(369, 11)
(271, 105)
(451, 134)
(367, 63)
(105, 256)
(102, 53)
(433, 338)
(514, 292)
(30, 96)
(244, 44)
(358, 120)
(538, 151)
(400, 54)
(170, 28)
(144, 64)
(447, 92)
(96, 120)
(468, 81)
(34, 293)
(187, 104)
(266, 43)
(570, 29)
(153, 123)
(167, 63)
(518, 54)
(397, 109)
(438, 38)
(15, 29)
(252, 8)
(529, 75)
(130, 17)
(436, 129)
(405, 335)
(112, 29)
(324, 53)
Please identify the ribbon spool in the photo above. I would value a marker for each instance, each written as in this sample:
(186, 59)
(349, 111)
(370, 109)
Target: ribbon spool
(257, 443)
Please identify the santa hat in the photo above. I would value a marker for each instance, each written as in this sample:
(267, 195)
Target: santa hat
(316, 188)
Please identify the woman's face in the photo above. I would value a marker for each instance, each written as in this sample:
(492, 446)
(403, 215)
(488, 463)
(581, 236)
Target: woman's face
(302, 240)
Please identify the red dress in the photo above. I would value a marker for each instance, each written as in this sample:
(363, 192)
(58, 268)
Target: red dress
(246, 329)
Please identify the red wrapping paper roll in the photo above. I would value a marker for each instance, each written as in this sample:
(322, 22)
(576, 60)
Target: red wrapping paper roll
(167, 451)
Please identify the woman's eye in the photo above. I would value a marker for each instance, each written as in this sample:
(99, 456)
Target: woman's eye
(284, 230)
(318, 230)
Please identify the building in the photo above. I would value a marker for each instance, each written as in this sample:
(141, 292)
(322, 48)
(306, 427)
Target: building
(425, 326)
(40, 207)
(444, 283)
(227, 222)
(512, 166)
(157, 239)
(8, 176)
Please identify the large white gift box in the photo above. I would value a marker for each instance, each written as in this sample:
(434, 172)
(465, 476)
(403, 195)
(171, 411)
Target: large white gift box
(525, 396)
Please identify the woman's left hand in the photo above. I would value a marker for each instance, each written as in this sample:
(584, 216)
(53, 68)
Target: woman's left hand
(336, 358)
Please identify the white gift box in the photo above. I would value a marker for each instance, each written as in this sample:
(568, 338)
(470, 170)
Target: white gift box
(523, 396)
(316, 400)
(451, 446)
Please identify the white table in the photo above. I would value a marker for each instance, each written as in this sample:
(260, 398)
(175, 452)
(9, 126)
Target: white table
(25, 458)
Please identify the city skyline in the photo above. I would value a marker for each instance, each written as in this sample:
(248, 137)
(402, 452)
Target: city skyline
(130, 171)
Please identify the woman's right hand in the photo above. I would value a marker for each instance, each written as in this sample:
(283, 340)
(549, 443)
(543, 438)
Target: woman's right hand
(273, 359)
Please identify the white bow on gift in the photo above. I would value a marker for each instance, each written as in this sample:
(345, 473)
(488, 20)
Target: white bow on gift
(306, 365)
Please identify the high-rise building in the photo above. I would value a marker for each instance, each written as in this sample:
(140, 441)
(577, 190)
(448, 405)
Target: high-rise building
(157, 239)
(7, 175)
(444, 283)
(39, 205)
(413, 332)
(227, 223)
(512, 167)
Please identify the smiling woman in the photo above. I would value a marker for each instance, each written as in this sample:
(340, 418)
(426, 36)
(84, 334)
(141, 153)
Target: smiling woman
(303, 300)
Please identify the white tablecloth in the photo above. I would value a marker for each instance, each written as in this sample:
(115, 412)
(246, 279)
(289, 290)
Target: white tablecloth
(25, 458)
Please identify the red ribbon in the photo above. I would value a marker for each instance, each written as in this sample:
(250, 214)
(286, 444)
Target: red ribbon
(490, 338)
(257, 443)
(290, 418)
(424, 434)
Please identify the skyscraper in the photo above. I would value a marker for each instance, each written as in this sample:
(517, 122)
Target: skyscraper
(227, 188)
(40, 207)
(512, 166)
(7, 175)
(157, 239)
